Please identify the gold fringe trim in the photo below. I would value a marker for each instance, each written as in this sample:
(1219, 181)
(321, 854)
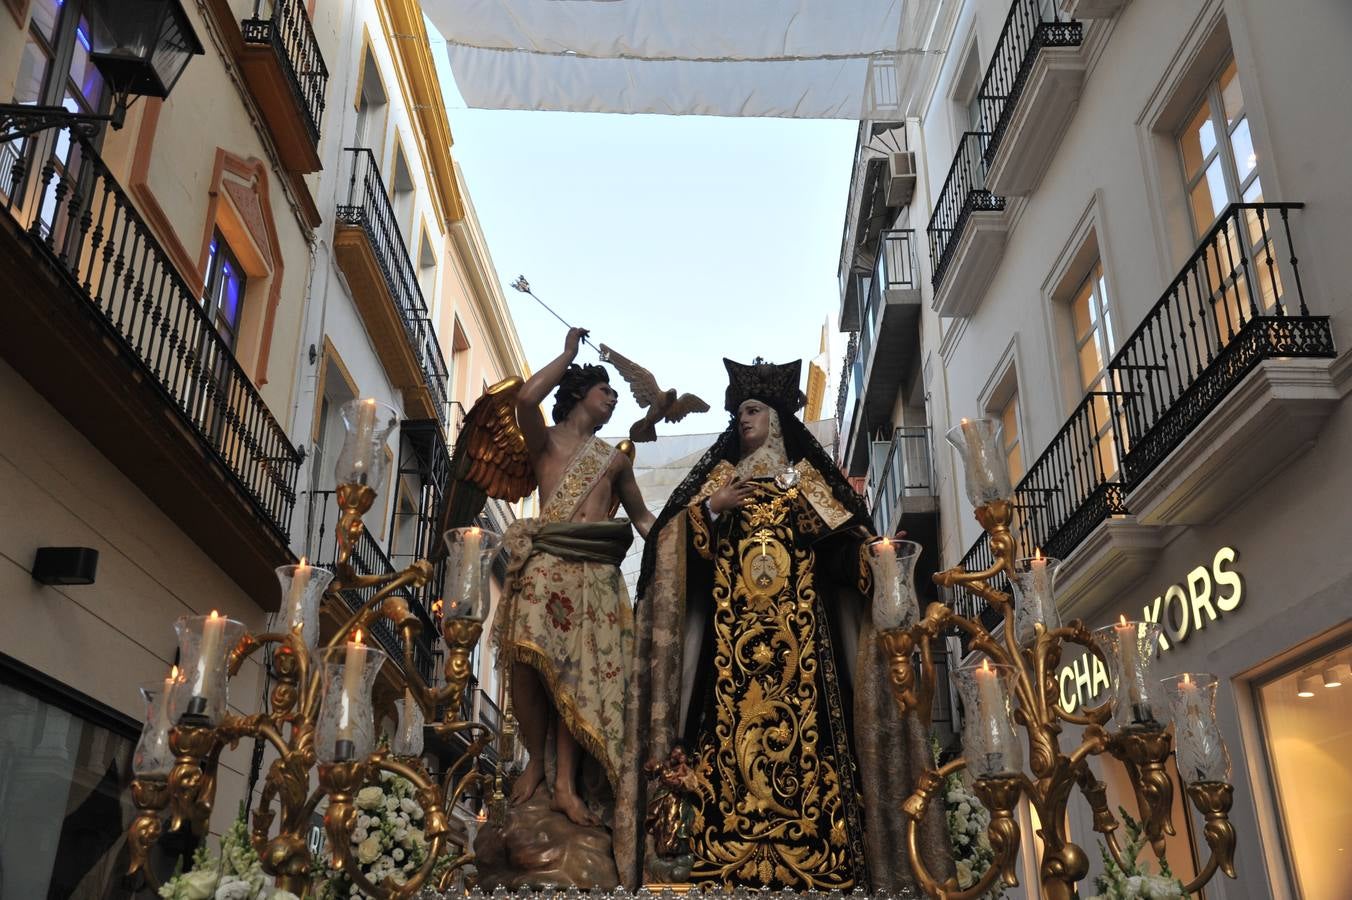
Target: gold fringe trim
(587, 736)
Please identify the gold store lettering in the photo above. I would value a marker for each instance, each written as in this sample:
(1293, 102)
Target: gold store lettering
(1205, 595)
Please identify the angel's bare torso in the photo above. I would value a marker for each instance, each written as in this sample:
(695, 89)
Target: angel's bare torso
(552, 464)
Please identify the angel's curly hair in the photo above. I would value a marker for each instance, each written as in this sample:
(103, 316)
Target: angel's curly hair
(576, 381)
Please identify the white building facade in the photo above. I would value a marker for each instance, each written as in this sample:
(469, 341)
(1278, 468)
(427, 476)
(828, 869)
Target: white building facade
(1117, 228)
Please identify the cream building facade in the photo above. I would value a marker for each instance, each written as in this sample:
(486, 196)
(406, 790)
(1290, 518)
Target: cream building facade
(1117, 227)
(195, 293)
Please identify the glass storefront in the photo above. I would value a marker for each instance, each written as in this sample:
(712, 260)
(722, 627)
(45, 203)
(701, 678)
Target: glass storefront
(1307, 727)
(64, 781)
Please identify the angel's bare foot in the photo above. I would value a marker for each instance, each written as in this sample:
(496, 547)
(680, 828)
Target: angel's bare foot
(528, 782)
(571, 805)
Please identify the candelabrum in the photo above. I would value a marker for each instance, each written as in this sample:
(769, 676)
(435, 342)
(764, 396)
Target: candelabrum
(1014, 688)
(320, 720)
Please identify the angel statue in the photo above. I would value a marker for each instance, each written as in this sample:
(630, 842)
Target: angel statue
(564, 626)
(758, 655)
(662, 406)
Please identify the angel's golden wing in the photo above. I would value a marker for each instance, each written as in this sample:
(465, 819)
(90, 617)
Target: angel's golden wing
(490, 458)
(684, 406)
(641, 382)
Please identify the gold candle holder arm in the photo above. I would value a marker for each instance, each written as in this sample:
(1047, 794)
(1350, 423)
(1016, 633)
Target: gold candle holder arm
(1001, 796)
(1213, 800)
(1144, 754)
(150, 797)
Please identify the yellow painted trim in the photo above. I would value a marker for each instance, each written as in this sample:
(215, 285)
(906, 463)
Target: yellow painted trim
(329, 355)
(407, 36)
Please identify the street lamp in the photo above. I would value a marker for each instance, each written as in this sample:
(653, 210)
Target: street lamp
(140, 47)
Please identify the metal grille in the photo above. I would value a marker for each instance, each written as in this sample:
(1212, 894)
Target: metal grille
(963, 192)
(287, 28)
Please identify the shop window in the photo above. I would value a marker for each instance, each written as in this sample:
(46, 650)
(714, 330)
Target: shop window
(1306, 716)
(65, 772)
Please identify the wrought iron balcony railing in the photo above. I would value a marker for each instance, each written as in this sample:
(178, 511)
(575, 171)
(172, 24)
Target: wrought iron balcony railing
(903, 469)
(1227, 310)
(368, 206)
(286, 27)
(77, 216)
(368, 559)
(1030, 26)
(964, 191)
(845, 397)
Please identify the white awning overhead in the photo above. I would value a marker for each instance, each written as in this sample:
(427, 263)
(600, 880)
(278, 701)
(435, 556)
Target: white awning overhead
(811, 59)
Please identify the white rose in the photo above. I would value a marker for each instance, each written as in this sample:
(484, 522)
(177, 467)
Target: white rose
(197, 885)
(283, 895)
(398, 855)
(391, 803)
(369, 850)
(369, 797)
(417, 838)
(417, 813)
(408, 805)
(954, 797)
(234, 889)
(965, 877)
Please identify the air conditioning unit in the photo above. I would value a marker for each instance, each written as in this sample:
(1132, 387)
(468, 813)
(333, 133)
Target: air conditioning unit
(900, 185)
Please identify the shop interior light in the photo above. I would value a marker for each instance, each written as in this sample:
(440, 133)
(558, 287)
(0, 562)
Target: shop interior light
(1337, 675)
(1308, 685)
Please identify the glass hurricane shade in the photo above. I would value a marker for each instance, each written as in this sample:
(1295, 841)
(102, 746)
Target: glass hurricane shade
(408, 735)
(204, 645)
(980, 443)
(303, 587)
(140, 46)
(892, 563)
(465, 592)
(1202, 755)
(1034, 600)
(347, 725)
(1131, 648)
(989, 740)
(154, 758)
(362, 459)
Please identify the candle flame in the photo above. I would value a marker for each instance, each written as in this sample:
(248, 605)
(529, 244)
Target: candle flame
(370, 401)
(963, 421)
(356, 636)
(985, 665)
(1122, 620)
(214, 615)
(303, 563)
(436, 607)
(1037, 554)
(474, 531)
(173, 673)
(1187, 678)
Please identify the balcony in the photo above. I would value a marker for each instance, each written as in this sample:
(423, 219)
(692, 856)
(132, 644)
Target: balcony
(424, 462)
(889, 337)
(1228, 376)
(901, 479)
(284, 71)
(101, 323)
(966, 231)
(882, 182)
(1225, 380)
(367, 559)
(1029, 94)
(372, 256)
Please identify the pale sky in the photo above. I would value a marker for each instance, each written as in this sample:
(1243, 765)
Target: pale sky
(676, 240)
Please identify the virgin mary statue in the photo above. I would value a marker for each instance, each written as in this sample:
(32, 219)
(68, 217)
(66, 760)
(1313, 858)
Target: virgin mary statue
(756, 656)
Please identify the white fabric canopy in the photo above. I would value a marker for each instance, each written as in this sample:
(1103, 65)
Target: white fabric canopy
(846, 59)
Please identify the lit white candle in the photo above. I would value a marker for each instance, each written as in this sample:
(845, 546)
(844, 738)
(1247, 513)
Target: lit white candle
(887, 569)
(354, 665)
(204, 678)
(988, 690)
(1128, 657)
(162, 720)
(468, 601)
(1042, 586)
(295, 598)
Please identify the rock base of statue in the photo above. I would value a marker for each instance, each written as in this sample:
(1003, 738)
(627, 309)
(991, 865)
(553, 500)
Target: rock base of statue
(537, 846)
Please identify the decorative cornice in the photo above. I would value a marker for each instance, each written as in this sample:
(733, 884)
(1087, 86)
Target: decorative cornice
(407, 36)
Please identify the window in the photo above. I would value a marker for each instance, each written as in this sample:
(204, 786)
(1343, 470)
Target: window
(1219, 163)
(65, 791)
(427, 269)
(371, 104)
(1306, 716)
(1009, 419)
(224, 295)
(401, 195)
(1095, 343)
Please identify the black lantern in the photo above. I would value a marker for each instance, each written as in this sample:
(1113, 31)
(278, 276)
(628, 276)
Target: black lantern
(140, 46)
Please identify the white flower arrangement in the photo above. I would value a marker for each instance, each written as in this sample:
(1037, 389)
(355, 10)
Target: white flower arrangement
(236, 874)
(388, 843)
(1134, 881)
